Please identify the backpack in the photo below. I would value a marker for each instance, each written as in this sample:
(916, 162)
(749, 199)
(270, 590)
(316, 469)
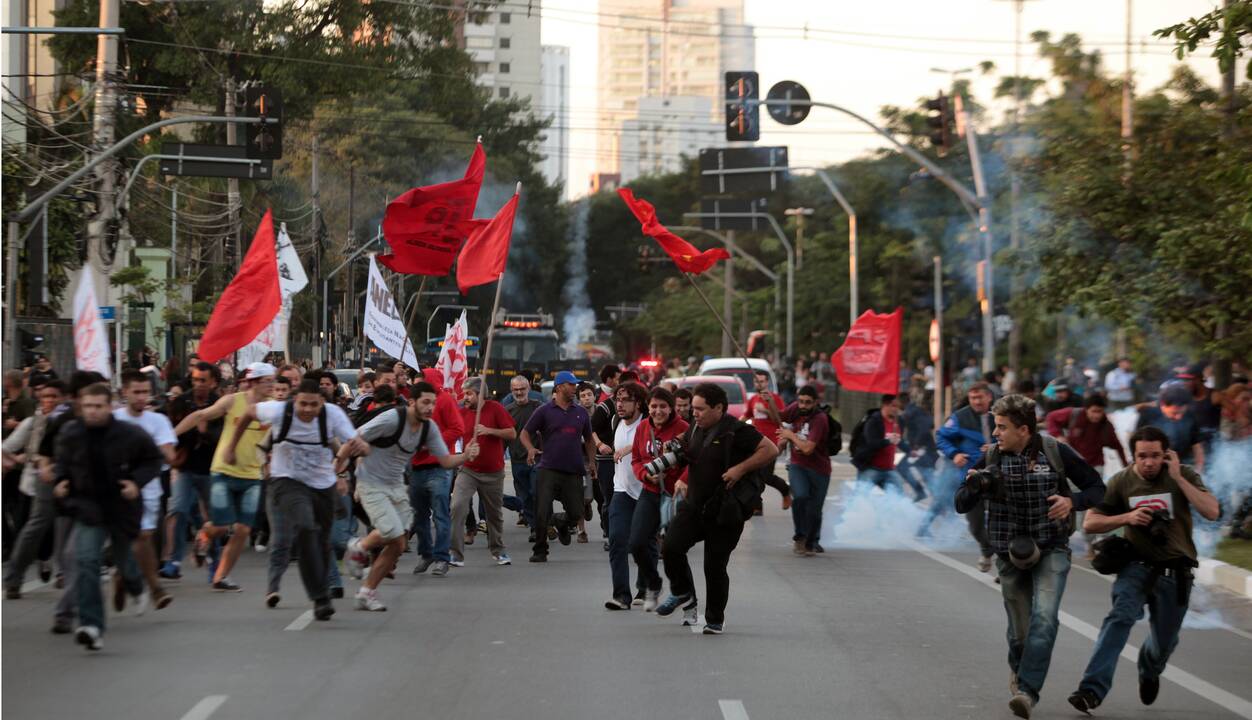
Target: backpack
(861, 455)
(1052, 451)
(394, 439)
(285, 427)
(834, 432)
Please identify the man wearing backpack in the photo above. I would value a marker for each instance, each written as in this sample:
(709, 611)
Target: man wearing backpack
(809, 468)
(430, 484)
(385, 443)
(1087, 430)
(1029, 521)
(874, 441)
(963, 439)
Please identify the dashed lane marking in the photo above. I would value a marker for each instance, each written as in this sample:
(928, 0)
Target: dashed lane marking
(301, 622)
(206, 707)
(732, 710)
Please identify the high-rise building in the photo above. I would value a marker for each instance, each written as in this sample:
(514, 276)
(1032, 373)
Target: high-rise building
(666, 49)
(664, 130)
(554, 104)
(504, 45)
(32, 76)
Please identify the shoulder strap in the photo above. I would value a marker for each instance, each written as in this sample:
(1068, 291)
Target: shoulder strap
(285, 427)
(1052, 450)
(1073, 418)
(321, 427)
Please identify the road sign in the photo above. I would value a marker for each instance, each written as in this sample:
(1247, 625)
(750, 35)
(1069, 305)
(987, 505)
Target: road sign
(722, 214)
(107, 312)
(726, 171)
(790, 91)
(234, 162)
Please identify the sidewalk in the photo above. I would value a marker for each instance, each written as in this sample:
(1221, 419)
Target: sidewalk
(1226, 576)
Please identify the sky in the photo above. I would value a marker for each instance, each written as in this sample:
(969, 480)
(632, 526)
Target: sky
(865, 55)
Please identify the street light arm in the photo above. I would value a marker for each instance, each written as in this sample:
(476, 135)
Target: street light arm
(773, 276)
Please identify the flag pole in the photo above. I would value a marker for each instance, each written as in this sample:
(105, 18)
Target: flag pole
(720, 320)
(417, 300)
(491, 328)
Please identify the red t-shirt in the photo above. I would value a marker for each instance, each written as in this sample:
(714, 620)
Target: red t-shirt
(885, 459)
(491, 448)
(760, 419)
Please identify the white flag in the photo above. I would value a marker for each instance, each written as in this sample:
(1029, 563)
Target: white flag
(91, 341)
(383, 324)
(452, 361)
(291, 276)
(291, 280)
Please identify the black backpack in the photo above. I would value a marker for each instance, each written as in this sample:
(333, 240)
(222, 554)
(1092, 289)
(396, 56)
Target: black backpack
(861, 454)
(834, 431)
(285, 427)
(394, 439)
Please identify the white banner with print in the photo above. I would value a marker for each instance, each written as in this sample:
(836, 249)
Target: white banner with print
(383, 325)
(91, 342)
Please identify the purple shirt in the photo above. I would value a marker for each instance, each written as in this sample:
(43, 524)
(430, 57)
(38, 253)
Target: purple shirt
(564, 433)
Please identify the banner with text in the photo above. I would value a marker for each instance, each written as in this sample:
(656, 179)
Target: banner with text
(383, 325)
(91, 343)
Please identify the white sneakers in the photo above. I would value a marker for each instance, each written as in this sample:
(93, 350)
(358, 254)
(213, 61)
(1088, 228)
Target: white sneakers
(89, 637)
(355, 559)
(368, 600)
(984, 563)
(650, 600)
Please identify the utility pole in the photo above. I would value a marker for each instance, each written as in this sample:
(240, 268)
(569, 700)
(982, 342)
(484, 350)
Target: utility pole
(728, 292)
(104, 127)
(1015, 186)
(232, 187)
(1128, 133)
(1221, 364)
(984, 227)
(799, 213)
(938, 409)
(324, 337)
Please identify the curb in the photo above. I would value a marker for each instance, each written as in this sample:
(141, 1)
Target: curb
(1226, 576)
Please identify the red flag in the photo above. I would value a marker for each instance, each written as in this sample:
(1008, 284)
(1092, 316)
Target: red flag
(684, 254)
(249, 303)
(869, 359)
(482, 259)
(425, 226)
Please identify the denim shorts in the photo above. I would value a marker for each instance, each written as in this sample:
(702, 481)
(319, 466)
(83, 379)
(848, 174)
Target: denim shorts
(233, 500)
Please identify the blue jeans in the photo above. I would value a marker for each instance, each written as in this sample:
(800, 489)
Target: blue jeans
(340, 534)
(906, 468)
(88, 547)
(1130, 594)
(808, 495)
(1032, 599)
(881, 478)
(430, 493)
(188, 487)
(645, 521)
(525, 489)
(621, 513)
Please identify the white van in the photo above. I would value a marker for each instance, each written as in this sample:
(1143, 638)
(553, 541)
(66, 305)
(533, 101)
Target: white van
(734, 366)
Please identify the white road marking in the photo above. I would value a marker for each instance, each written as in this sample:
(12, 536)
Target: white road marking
(1203, 688)
(1221, 625)
(732, 709)
(301, 622)
(205, 707)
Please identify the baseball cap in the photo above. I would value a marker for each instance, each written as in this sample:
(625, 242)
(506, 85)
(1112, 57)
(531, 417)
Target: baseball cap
(563, 377)
(259, 370)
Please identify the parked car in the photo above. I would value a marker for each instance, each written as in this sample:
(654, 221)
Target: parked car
(734, 366)
(736, 393)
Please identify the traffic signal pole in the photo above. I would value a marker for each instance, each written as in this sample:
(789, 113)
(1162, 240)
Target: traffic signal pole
(984, 228)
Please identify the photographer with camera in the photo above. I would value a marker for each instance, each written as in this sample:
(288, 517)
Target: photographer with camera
(1152, 499)
(722, 455)
(1022, 480)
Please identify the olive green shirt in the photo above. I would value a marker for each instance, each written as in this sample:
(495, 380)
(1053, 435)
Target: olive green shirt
(1127, 491)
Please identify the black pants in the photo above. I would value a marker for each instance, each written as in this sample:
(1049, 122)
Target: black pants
(685, 530)
(308, 515)
(644, 525)
(604, 487)
(553, 485)
(977, 519)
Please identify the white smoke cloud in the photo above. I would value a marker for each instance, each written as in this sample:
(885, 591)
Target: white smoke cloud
(580, 319)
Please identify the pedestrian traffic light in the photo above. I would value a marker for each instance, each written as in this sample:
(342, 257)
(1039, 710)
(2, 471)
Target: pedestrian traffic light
(939, 120)
(743, 109)
(265, 140)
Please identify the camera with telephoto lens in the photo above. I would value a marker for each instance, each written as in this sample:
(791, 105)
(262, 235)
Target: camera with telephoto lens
(672, 455)
(1158, 526)
(987, 481)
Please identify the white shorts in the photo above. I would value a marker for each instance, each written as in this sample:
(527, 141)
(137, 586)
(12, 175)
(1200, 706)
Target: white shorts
(388, 508)
(151, 495)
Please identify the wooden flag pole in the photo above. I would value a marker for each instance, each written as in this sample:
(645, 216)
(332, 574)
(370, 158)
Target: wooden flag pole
(720, 320)
(491, 326)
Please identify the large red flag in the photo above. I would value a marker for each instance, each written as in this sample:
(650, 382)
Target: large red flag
(869, 359)
(249, 303)
(426, 226)
(483, 257)
(684, 254)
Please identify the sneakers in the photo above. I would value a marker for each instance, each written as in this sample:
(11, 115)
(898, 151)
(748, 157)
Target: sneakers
(617, 604)
(503, 559)
(638, 599)
(469, 537)
(142, 602)
(89, 637)
(272, 599)
(368, 600)
(226, 585)
(161, 599)
(322, 610)
(563, 534)
(582, 538)
(1084, 701)
(45, 571)
(672, 603)
(1149, 688)
(171, 571)
(439, 568)
(650, 600)
(422, 565)
(691, 615)
(12, 593)
(537, 557)
(797, 547)
(482, 526)
(456, 563)
(552, 533)
(712, 628)
(786, 502)
(62, 626)
(355, 558)
(1021, 705)
(984, 564)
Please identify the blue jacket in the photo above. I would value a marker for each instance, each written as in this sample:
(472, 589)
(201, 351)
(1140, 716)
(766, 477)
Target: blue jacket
(962, 433)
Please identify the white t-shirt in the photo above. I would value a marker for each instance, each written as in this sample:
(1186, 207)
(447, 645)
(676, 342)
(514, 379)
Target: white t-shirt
(161, 431)
(624, 479)
(386, 466)
(304, 459)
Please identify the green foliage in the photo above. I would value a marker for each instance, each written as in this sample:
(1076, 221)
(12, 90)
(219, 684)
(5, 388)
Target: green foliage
(1231, 24)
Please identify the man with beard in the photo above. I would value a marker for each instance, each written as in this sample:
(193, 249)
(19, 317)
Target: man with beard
(809, 469)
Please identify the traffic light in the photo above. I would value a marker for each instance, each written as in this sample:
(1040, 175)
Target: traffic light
(31, 346)
(265, 140)
(645, 258)
(743, 109)
(939, 119)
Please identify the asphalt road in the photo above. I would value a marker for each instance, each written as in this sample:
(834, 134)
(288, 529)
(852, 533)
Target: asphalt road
(910, 632)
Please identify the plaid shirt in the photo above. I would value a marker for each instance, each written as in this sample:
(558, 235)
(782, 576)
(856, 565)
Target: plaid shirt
(1023, 507)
